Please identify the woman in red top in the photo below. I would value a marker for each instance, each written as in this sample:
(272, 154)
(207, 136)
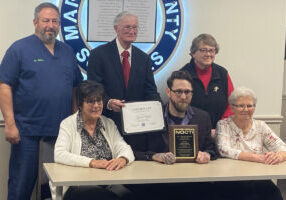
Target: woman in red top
(212, 83)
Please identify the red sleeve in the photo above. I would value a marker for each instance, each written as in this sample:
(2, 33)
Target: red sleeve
(228, 111)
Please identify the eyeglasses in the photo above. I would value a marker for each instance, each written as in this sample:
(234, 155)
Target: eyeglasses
(93, 101)
(129, 28)
(180, 92)
(243, 106)
(211, 51)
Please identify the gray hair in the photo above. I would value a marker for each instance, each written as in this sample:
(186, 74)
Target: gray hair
(207, 39)
(122, 15)
(241, 92)
(45, 5)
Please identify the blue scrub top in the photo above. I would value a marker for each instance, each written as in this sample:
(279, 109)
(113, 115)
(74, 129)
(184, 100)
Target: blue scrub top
(41, 84)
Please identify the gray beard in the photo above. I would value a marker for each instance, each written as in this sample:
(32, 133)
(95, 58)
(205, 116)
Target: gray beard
(47, 39)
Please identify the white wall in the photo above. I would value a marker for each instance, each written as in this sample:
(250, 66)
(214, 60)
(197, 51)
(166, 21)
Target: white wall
(17, 21)
(4, 154)
(251, 35)
(283, 109)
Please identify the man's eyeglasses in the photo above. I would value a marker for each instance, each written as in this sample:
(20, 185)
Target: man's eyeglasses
(180, 92)
(129, 28)
(93, 101)
(243, 106)
(211, 51)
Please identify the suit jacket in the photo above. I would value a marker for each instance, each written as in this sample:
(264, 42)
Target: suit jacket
(104, 66)
(158, 142)
(202, 119)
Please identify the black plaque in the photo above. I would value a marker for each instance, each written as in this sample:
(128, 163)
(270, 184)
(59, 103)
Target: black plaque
(183, 142)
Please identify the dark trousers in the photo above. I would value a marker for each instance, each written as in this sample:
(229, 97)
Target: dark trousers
(247, 190)
(225, 190)
(171, 191)
(89, 193)
(23, 168)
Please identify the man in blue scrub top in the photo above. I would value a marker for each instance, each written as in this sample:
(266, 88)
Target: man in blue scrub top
(37, 77)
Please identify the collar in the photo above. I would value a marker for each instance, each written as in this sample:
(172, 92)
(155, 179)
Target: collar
(80, 123)
(186, 120)
(121, 49)
(200, 71)
(194, 73)
(56, 46)
(237, 131)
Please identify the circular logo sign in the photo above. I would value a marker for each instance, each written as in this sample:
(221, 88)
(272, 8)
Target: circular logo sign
(167, 38)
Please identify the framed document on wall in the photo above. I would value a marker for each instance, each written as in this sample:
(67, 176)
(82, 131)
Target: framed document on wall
(101, 14)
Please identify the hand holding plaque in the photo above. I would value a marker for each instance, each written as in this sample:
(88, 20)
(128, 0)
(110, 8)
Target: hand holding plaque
(183, 142)
(143, 116)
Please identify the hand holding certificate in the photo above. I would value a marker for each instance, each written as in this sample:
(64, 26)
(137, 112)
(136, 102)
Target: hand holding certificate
(143, 116)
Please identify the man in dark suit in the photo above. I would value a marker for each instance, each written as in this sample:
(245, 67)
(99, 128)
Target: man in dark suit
(107, 65)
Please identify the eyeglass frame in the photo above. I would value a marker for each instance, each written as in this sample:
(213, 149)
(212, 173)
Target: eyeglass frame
(91, 102)
(129, 28)
(179, 92)
(205, 51)
(243, 106)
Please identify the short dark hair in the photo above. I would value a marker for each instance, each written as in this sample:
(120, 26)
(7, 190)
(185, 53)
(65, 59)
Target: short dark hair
(183, 75)
(88, 89)
(45, 5)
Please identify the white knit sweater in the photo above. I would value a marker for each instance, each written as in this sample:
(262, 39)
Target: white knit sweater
(68, 145)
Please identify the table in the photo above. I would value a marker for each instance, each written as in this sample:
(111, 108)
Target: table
(153, 172)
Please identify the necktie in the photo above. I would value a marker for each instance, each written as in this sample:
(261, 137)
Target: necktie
(125, 66)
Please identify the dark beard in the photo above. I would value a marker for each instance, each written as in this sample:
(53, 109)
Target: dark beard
(180, 107)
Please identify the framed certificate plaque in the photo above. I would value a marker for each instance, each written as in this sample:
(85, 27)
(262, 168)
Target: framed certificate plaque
(183, 142)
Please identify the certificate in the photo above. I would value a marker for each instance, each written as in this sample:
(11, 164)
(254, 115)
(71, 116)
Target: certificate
(183, 142)
(143, 116)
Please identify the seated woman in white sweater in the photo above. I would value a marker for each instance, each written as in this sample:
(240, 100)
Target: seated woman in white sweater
(88, 139)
